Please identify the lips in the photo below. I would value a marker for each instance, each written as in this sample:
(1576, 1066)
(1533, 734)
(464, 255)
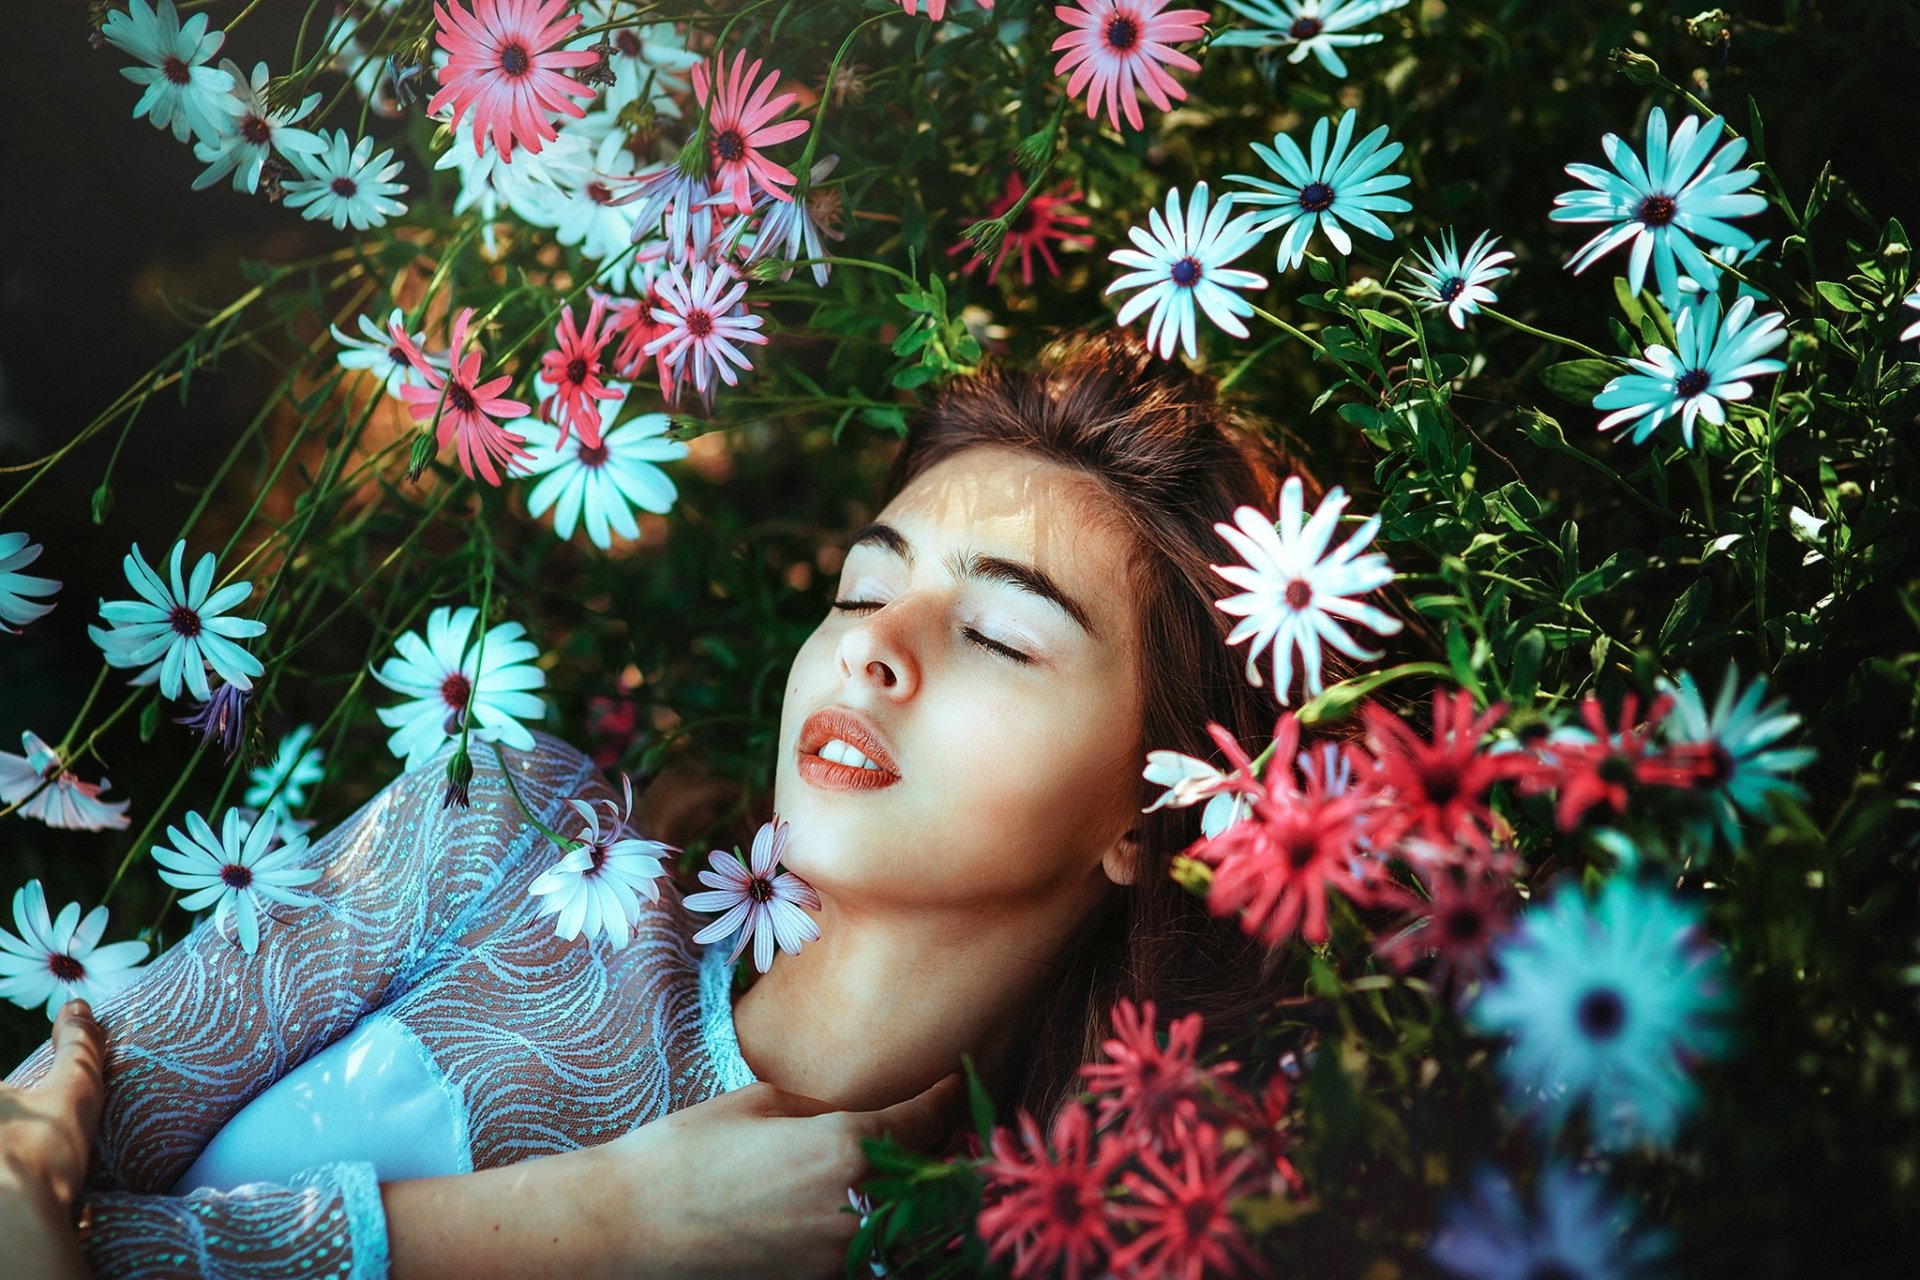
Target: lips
(831, 722)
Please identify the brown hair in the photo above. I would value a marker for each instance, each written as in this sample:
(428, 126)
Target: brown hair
(1174, 458)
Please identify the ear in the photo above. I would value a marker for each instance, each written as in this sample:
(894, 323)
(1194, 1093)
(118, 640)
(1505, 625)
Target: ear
(1122, 860)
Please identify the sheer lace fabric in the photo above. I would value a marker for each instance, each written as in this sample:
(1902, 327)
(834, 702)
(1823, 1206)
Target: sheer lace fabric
(545, 1045)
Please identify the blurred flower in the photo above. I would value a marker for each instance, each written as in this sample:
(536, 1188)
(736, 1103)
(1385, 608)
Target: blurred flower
(637, 328)
(570, 372)
(505, 68)
(194, 100)
(1294, 588)
(1326, 190)
(605, 480)
(580, 208)
(740, 122)
(1147, 1089)
(280, 787)
(1744, 764)
(444, 685)
(1119, 45)
(760, 907)
(1457, 927)
(1607, 1004)
(1050, 1209)
(1184, 1209)
(175, 634)
(1726, 256)
(54, 960)
(1446, 279)
(1710, 366)
(238, 872)
(353, 55)
(644, 60)
(1659, 207)
(220, 718)
(462, 402)
(64, 801)
(1183, 262)
(345, 183)
(1045, 218)
(17, 551)
(379, 354)
(792, 229)
(705, 315)
(936, 9)
(254, 134)
(1319, 27)
(1598, 767)
(1576, 1230)
(596, 886)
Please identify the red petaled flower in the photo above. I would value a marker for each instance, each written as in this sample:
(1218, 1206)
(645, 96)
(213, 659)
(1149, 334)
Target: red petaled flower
(1457, 926)
(1184, 1211)
(1045, 218)
(739, 124)
(1147, 1087)
(504, 67)
(1437, 788)
(634, 323)
(573, 368)
(1050, 1211)
(1602, 772)
(463, 403)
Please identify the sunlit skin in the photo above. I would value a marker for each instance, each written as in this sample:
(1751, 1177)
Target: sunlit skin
(947, 897)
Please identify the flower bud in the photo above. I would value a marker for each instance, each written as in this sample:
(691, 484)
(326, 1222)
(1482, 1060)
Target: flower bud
(459, 775)
(1637, 67)
(1711, 27)
(1802, 348)
(423, 451)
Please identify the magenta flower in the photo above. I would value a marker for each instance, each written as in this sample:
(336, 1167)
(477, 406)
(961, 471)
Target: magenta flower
(704, 317)
(739, 123)
(463, 403)
(762, 907)
(1121, 44)
(573, 369)
(505, 67)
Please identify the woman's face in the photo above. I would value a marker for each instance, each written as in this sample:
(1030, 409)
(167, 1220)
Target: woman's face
(1014, 778)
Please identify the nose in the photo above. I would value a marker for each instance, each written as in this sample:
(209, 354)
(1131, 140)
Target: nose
(875, 651)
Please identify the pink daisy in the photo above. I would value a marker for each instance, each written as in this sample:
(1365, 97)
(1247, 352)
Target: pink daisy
(936, 10)
(1185, 1210)
(504, 66)
(1118, 44)
(1601, 768)
(763, 907)
(635, 324)
(1456, 927)
(463, 402)
(1050, 1211)
(738, 125)
(1146, 1087)
(1045, 218)
(705, 315)
(573, 368)
(1439, 787)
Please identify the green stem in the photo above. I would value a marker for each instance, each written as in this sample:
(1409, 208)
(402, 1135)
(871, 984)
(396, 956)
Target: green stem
(1509, 321)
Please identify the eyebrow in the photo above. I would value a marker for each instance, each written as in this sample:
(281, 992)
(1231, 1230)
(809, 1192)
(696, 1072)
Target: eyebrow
(985, 568)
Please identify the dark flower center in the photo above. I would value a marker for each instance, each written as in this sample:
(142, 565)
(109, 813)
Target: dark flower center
(1122, 34)
(185, 621)
(1601, 1013)
(1441, 780)
(1299, 594)
(1301, 848)
(627, 42)
(729, 145)
(1022, 221)
(1656, 211)
(1692, 382)
(176, 71)
(456, 689)
(1452, 288)
(256, 130)
(1719, 767)
(1305, 28)
(760, 889)
(514, 60)
(235, 876)
(699, 324)
(599, 192)
(344, 187)
(66, 968)
(577, 370)
(460, 398)
(593, 455)
(598, 856)
(1463, 925)
(398, 355)
(1067, 1208)
(1316, 197)
(1186, 273)
(1198, 1215)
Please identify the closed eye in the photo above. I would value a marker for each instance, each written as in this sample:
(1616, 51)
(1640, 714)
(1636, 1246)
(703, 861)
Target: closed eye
(861, 606)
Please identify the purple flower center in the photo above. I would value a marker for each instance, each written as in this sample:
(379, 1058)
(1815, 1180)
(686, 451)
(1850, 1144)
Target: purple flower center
(599, 192)
(577, 370)
(1186, 273)
(699, 323)
(235, 876)
(1656, 211)
(398, 354)
(1316, 196)
(1452, 288)
(627, 42)
(593, 455)
(1601, 1013)
(514, 60)
(344, 187)
(1305, 28)
(185, 621)
(256, 130)
(460, 398)
(455, 690)
(729, 145)
(66, 968)
(1122, 34)
(1299, 594)
(176, 71)
(1692, 383)
(760, 889)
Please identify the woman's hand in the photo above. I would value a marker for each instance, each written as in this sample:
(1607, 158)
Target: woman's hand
(46, 1131)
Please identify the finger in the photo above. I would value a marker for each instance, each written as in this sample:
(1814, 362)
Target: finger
(927, 1119)
(79, 1061)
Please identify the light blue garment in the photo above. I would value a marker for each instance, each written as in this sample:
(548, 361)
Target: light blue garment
(424, 1019)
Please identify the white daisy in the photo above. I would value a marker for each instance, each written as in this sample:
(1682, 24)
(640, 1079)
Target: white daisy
(1295, 588)
(1326, 188)
(379, 354)
(57, 960)
(643, 61)
(605, 481)
(17, 551)
(1183, 261)
(439, 675)
(352, 46)
(182, 94)
(1740, 739)
(281, 787)
(65, 801)
(176, 634)
(1190, 780)
(580, 210)
(705, 317)
(597, 886)
(1319, 27)
(762, 907)
(1458, 283)
(1710, 367)
(238, 873)
(254, 134)
(343, 184)
(527, 185)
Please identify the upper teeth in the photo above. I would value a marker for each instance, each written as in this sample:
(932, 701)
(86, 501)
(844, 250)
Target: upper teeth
(842, 752)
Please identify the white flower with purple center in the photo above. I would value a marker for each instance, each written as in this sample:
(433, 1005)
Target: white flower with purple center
(760, 907)
(240, 873)
(176, 631)
(446, 679)
(17, 551)
(603, 482)
(596, 887)
(281, 787)
(183, 94)
(1459, 282)
(1707, 367)
(1326, 188)
(255, 134)
(346, 183)
(1182, 262)
(56, 959)
(1318, 27)
(63, 801)
(377, 352)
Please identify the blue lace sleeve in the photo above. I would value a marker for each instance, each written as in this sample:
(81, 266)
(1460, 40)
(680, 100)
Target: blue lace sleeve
(206, 1027)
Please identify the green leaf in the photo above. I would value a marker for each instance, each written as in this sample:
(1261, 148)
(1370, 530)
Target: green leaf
(1528, 652)
(102, 503)
(1579, 381)
(149, 720)
(1757, 129)
(1319, 268)
(1684, 619)
(1837, 296)
(978, 1103)
(1381, 320)
(1333, 703)
(1629, 301)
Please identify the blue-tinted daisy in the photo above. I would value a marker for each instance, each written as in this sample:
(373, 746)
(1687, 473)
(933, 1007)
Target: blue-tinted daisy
(56, 959)
(1710, 365)
(1679, 193)
(1294, 589)
(1575, 1229)
(1744, 762)
(377, 352)
(790, 230)
(254, 133)
(17, 551)
(240, 873)
(174, 632)
(579, 208)
(445, 679)
(1326, 188)
(1455, 281)
(1725, 255)
(63, 801)
(346, 183)
(604, 481)
(1189, 780)
(183, 94)
(597, 886)
(1912, 330)
(281, 787)
(1607, 1003)
(1183, 263)
(1318, 27)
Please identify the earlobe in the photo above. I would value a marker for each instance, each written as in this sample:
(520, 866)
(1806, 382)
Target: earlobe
(1122, 860)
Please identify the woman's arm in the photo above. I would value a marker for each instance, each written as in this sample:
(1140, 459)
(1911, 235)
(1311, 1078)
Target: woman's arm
(39, 1238)
(44, 1135)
